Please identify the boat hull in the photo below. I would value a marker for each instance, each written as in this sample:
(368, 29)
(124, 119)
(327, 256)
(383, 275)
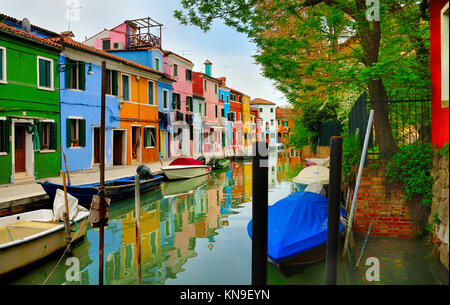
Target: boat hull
(117, 189)
(29, 250)
(185, 172)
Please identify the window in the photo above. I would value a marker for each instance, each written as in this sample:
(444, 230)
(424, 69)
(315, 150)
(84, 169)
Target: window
(45, 73)
(175, 70)
(189, 104)
(150, 137)
(106, 44)
(75, 132)
(206, 109)
(75, 74)
(260, 110)
(240, 99)
(285, 123)
(2, 65)
(217, 113)
(47, 134)
(4, 135)
(271, 122)
(215, 88)
(165, 99)
(233, 97)
(205, 84)
(188, 75)
(151, 93)
(112, 78)
(157, 63)
(228, 99)
(200, 108)
(176, 99)
(126, 87)
(191, 132)
(271, 110)
(222, 112)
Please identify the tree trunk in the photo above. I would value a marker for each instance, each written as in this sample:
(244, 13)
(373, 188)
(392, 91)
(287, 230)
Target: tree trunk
(383, 131)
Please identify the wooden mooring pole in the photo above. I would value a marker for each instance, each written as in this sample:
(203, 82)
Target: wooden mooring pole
(102, 178)
(334, 199)
(137, 195)
(260, 194)
(67, 219)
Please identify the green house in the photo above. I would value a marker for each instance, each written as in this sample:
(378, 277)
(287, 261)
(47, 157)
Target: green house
(29, 104)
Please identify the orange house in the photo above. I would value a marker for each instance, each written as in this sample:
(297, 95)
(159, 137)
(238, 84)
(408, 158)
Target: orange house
(285, 123)
(138, 99)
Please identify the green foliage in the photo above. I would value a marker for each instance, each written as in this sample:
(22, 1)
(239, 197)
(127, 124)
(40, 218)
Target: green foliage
(300, 135)
(429, 227)
(435, 218)
(374, 166)
(411, 168)
(291, 173)
(444, 150)
(351, 155)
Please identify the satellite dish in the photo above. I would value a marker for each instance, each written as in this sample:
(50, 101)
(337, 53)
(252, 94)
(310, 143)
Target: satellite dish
(26, 25)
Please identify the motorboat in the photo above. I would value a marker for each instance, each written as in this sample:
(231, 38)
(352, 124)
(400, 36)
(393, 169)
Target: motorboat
(311, 174)
(185, 168)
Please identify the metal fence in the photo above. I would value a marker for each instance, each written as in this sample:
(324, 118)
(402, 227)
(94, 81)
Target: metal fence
(328, 130)
(409, 118)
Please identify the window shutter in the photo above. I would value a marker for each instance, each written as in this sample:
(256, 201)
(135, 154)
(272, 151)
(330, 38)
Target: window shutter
(67, 73)
(83, 133)
(40, 127)
(2, 136)
(115, 78)
(42, 77)
(146, 138)
(69, 132)
(54, 136)
(82, 68)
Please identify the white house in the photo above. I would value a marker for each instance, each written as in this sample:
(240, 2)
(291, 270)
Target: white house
(268, 115)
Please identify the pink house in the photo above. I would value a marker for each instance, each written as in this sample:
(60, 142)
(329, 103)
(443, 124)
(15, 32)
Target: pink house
(208, 87)
(180, 68)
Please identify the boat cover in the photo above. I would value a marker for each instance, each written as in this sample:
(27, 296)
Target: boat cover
(314, 173)
(296, 224)
(185, 161)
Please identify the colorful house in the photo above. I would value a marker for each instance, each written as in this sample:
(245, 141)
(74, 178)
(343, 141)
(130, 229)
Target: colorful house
(224, 99)
(439, 60)
(237, 127)
(29, 103)
(131, 107)
(247, 124)
(208, 87)
(267, 115)
(285, 123)
(180, 69)
(133, 40)
(198, 101)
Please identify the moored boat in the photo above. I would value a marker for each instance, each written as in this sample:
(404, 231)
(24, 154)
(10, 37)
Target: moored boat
(297, 229)
(311, 174)
(185, 168)
(28, 237)
(183, 187)
(219, 163)
(117, 189)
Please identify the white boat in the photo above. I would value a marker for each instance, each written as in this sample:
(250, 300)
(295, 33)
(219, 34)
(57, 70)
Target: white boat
(311, 174)
(185, 168)
(183, 187)
(28, 237)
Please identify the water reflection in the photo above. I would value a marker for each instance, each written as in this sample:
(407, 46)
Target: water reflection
(192, 232)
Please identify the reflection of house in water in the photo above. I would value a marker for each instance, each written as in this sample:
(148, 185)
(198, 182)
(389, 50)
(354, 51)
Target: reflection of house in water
(247, 182)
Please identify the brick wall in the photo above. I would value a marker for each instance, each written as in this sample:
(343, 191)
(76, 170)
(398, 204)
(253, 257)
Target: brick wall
(387, 211)
(322, 152)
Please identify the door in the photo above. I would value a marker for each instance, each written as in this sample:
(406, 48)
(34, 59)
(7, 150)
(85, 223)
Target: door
(135, 143)
(19, 148)
(96, 145)
(118, 147)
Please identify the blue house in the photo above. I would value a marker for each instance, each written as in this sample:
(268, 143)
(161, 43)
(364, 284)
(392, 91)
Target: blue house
(224, 95)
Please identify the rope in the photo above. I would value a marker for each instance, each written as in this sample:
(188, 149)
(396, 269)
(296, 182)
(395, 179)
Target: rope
(64, 253)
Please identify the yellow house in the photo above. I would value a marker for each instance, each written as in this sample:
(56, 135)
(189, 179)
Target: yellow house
(246, 120)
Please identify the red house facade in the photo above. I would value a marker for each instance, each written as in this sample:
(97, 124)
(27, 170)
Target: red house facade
(439, 48)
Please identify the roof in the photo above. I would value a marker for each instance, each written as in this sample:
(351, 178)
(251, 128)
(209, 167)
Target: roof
(176, 55)
(69, 42)
(284, 113)
(25, 35)
(260, 101)
(207, 76)
(50, 33)
(207, 62)
(238, 92)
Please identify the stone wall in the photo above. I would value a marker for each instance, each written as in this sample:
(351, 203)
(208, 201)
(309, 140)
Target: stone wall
(440, 205)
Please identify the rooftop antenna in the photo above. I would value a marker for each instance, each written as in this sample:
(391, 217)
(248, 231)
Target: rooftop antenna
(69, 14)
(26, 25)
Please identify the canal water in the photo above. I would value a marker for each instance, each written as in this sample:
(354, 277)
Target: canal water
(194, 232)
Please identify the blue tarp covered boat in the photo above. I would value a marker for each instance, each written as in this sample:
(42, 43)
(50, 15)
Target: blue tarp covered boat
(116, 189)
(297, 225)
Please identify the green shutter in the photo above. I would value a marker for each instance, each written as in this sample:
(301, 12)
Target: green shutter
(67, 73)
(54, 136)
(40, 127)
(146, 138)
(82, 133)
(41, 73)
(69, 132)
(2, 135)
(115, 77)
(82, 75)
(7, 135)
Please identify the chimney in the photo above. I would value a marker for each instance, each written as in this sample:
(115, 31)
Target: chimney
(67, 34)
(223, 81)
(208, 68)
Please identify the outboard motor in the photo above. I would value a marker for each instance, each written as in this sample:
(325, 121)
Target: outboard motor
(202, 159)
(144, 172)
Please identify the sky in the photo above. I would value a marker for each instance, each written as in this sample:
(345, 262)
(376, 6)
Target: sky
(229, 51)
